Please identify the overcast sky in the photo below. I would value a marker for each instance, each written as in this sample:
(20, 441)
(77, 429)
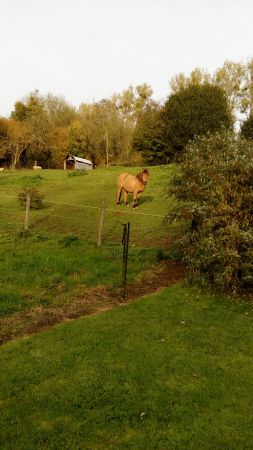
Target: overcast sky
(86, 50)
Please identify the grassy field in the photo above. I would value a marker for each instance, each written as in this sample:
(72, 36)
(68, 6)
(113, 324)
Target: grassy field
(170, 371)
(59, 254)
(62, 192)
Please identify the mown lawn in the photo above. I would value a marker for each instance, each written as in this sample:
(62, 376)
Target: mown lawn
(169, 371)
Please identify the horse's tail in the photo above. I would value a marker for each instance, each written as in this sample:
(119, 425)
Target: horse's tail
(119, 194)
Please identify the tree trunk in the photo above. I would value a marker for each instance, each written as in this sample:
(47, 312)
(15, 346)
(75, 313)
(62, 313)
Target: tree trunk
(15, 157)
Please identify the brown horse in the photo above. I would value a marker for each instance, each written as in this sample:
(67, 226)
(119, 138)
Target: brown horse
(132, 184)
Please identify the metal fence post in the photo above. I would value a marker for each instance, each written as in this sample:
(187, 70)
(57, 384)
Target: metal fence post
(125, 243)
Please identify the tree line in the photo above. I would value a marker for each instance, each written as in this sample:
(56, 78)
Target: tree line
(47, 128)
(131, 126)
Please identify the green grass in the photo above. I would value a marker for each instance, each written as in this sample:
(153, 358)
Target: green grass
(39, 270)
(59, 253)
(170, 371)
(61, 192)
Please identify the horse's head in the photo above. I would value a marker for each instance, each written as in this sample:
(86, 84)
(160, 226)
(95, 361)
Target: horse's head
(145, 175)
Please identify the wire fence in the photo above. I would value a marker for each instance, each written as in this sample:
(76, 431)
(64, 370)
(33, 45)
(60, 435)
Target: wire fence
(96, 224)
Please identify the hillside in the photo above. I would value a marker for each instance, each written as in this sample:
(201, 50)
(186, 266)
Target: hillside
(71, 203)
(58, 258)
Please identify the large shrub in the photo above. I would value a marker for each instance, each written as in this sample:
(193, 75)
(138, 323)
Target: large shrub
(36, 198)
(215, 193)
(247, 128)
(194, 111)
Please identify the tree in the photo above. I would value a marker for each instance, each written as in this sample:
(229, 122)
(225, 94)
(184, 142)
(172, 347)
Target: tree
(16, 141)
(31, 115)
(237, 81)
(247, 128)
(4, 124)
(247, 92)
(143, 98)
(58, 145)
(235, 78)
(60, 113)
(106, 134)
(45, 118)
(149, 135)
(77, 139)
(215, 192)
(133, 101)
(196, 78)
(193, 111)
(20, 112)
(232, 78)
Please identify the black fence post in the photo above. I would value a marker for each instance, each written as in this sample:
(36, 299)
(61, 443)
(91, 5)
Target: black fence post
(125, 242)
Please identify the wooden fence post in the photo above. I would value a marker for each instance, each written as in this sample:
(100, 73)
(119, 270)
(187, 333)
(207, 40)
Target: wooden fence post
(101, 223)
(125, 243)
(27, 209)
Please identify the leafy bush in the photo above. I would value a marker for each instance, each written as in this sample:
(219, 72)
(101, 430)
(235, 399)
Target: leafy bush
(68, 241)
(247, 128)
(215, 189)
(36, 198)
(77, 173)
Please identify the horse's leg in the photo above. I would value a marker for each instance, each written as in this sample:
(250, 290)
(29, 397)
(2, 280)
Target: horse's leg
(135, 199)
(119, 194)
(125, 198)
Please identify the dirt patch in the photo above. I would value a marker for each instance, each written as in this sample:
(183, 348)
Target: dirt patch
(86, 301)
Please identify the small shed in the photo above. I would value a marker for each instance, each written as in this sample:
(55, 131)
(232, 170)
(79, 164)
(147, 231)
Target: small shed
(76, 163)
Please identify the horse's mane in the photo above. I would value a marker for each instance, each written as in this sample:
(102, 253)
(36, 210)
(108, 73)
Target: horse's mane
(139, 176)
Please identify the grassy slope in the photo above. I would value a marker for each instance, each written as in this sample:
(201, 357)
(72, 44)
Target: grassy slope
(170, 371)
(48, 265)
(90, 189)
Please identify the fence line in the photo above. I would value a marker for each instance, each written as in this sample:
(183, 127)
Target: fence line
(93, 207)
(57, 219)
(6, 195)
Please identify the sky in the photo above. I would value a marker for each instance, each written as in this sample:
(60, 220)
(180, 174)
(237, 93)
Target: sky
(86, 50)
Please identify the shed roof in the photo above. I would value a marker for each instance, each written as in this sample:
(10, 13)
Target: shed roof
(82, 160)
